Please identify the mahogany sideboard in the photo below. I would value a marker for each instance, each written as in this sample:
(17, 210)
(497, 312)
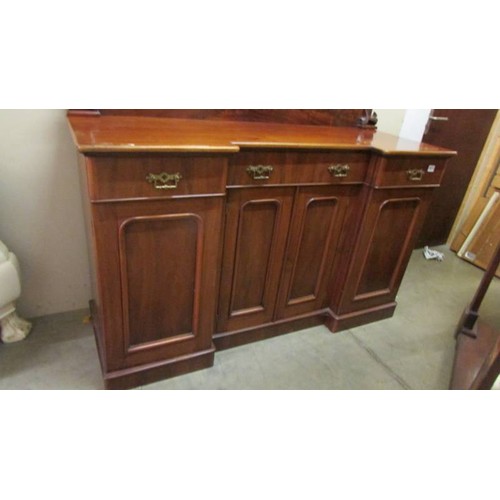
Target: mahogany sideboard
(207, 234)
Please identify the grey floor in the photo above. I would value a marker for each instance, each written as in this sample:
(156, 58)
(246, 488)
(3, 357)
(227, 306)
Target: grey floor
(412, 350)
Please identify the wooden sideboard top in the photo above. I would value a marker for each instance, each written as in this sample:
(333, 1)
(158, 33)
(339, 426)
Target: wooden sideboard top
(106, 134)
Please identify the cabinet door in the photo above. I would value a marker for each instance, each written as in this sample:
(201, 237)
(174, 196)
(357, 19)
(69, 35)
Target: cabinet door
(387, 237)
(257, 221)
(314, 248)
(158, 264)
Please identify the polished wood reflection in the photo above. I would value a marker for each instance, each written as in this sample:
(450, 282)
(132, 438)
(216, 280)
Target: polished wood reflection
(327, 117)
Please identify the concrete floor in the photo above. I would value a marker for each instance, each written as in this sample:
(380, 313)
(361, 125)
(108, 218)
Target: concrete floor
(412, 350)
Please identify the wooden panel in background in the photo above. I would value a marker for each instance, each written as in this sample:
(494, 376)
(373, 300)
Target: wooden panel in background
(479, 230)
(465, 131)
(481, 188)
(484, 239)
(328, 117)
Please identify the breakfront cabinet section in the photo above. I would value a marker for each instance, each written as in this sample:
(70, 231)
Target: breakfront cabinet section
(208, 234)
(281, 247)
(155, 224)
(158, 262)
(384, 246)
(256, 234)
(397, 203)
(322, 221)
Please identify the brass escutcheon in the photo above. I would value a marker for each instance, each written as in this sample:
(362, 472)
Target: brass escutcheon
(164, 180)
(415, 174)
(339, 170)
(260, 172)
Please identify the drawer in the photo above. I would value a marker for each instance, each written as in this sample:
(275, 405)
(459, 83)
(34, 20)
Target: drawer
(410, 172)
(257, 168)
(145, 176)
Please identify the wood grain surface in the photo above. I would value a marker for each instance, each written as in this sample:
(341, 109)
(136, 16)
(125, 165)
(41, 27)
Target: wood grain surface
(328, 117)
(100, 134)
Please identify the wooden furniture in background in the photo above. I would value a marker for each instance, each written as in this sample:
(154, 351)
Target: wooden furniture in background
(478, 232)
(480, 245)
(477, 356)
(465, 131)
(207, 234)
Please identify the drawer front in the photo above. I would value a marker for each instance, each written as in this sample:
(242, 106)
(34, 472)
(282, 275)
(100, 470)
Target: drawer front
(258, 168)
(410, 172)
(136, 177)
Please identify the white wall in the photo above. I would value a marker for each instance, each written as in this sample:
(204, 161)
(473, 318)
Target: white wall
(41, 212)
(414, 124)
(390, 120)
(405, 123)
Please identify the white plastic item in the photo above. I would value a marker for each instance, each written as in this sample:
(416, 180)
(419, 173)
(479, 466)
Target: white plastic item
(12, 327)
(430, 254)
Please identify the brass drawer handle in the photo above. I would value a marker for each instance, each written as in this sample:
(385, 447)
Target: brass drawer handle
(415, 174)
(164, 180)
(339, 170)
(260, 172)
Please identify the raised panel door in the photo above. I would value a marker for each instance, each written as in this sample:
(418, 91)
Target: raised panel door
(160, 294)
(318, 223)
(257, 222)
(386, 239)
(160, 262)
